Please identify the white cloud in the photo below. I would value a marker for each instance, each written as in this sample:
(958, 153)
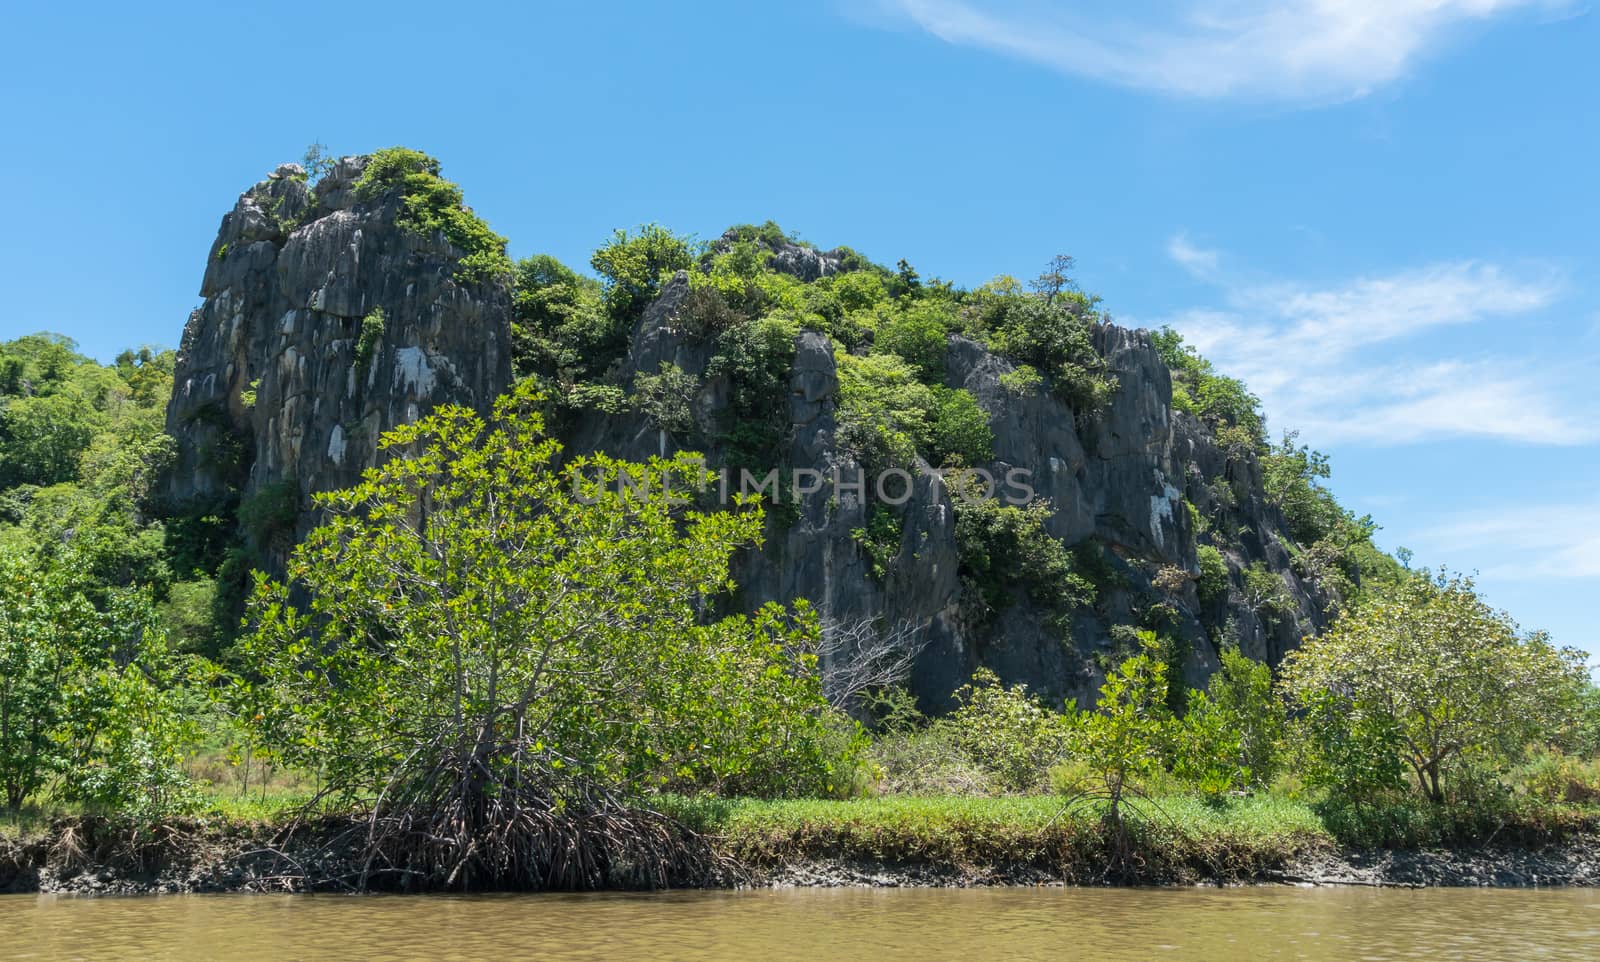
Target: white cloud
(1535, 542)
(1199, 261)
(1347, 363)
(1297, 50)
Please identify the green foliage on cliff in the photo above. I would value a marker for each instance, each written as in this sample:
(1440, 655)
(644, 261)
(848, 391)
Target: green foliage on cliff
(635, 265)
(1005, 547)
(366, 344)
(1048, 330)
(430, 203)
(1198, 389)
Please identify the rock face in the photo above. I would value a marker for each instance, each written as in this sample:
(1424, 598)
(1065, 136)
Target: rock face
(278, 389)
(282, 380)
(1118, 483)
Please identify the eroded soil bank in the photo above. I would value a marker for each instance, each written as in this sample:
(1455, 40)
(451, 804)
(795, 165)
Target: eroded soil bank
(88, 856)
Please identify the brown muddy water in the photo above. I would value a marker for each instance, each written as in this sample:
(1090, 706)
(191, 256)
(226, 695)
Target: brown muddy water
(925, 925)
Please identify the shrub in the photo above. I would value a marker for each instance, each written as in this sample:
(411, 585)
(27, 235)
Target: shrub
(1004, 547)
(1050, 332)
(1229, 735)
(635, 265)
(268, 515)
(880, 539)
(756, 359)
(1214, 582)
(959, 432)
(1266, 592)
(1022, 381)
(1007, 732)
(1557, 778)
(917, 333)
(372, 327)
(431, 203)
(667, 398)
(885, 413)
(1199, 390)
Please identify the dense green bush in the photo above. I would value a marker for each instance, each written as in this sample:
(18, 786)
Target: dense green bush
(959, 432)
(430, 203)
(756, 359)
(1005, 547)
(1007, 732)
(1047, 331)
(635, 265)
(1214, 582)
(1229, 735)
(667, 398)
(1199, 390)
(367, 338)
(917, 333)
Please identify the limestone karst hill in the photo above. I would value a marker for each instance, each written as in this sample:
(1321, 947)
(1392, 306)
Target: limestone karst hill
(338, 310)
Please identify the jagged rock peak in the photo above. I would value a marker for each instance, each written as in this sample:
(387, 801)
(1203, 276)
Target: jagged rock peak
(326, 322)
(784, 255)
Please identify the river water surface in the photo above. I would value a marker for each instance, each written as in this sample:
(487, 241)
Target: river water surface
(925, 925)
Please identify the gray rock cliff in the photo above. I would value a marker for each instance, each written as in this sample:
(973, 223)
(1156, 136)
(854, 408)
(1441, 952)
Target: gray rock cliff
(276, 385)
(278, 389)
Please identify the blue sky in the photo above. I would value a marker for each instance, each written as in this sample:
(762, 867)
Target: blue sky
(1381, 213)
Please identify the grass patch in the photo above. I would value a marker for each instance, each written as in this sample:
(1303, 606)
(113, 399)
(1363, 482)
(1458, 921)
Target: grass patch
(1174, 839)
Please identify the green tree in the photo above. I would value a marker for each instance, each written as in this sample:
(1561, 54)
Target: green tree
(492, 641)
(1425, 667)
(1125, 736)
(44, 626)
(130, 718)
(42, 437)
(1229, 735)
(87, 695)
(634, 266)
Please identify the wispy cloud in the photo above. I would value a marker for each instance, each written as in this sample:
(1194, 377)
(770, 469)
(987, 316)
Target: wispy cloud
(1348, 363)
(1199, 261)
(1536, 542)
(1297, 50)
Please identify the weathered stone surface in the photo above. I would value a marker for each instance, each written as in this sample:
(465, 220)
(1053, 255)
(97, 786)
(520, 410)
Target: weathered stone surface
(289, 279)
(1119, 479)
(293, 272)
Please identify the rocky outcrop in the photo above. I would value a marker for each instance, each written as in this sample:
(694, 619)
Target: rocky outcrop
(324, 324)
(1121, 484)
(288, 375)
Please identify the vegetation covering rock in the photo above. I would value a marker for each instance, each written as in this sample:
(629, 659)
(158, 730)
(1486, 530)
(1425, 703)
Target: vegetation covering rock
(423, 582)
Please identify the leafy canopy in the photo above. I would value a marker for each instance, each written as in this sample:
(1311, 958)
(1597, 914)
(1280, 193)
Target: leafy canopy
(1429, 672)
(484, 624)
